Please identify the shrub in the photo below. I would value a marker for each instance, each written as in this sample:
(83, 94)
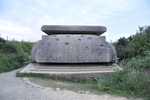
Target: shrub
(135, 45)
(2, 42)
(127, 81)
(122, 52)
(140, 63)
(122, 48)
(123, 41)
(141, 42)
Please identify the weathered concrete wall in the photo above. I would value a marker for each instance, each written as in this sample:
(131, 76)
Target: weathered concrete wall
(73, 49)
(33, 52)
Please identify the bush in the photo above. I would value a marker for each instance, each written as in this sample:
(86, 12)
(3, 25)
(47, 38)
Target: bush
(122, 48)
(124, 41)
(122, 52)
(2, 42)
(134, 57)
(135, 45)
(130, 81)
(141, 42)
(140, 63)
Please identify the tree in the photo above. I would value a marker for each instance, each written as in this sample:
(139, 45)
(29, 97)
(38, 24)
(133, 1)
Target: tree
(141, 42)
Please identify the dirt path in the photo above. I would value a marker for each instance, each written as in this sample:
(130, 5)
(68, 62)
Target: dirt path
(14, 88)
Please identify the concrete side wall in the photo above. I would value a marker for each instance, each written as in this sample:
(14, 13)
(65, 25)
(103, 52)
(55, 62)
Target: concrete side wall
(33, 52)
(72, 49)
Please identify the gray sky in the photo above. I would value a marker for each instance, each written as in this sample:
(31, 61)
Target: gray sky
(22, 19)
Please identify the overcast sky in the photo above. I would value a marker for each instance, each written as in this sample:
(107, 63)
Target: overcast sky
(22, 19)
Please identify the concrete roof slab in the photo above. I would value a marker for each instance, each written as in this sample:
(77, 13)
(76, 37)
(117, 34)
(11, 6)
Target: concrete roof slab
(73, 29)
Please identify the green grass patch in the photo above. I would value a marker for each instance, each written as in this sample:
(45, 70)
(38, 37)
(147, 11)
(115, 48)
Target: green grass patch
(60, 82)
(128, 82)
(13, 54)
(67, 85)
(57, 78)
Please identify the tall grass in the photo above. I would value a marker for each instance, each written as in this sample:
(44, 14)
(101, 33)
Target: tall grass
(132, 80)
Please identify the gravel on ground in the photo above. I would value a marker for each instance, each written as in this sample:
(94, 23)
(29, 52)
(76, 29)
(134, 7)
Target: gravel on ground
(16, 88)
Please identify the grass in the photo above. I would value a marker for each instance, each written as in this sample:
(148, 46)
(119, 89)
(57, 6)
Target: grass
(66, 85)
(129, 82)
(132, 81)
(56, 78)
(13, 54)
(62, 82)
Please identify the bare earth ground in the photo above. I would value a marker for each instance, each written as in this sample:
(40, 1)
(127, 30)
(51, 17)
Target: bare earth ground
(14, 88)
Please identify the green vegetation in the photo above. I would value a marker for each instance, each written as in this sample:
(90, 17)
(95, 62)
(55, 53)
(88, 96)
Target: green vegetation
(122, 48)
(128, 81)
(62, 82)
(133, 54)
(47, 76)
(141, 42)
(134, 58)
(133, 81)
(135, 45)
(13, 54)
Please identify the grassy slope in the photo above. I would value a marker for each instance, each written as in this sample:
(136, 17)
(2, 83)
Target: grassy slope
(13, 54)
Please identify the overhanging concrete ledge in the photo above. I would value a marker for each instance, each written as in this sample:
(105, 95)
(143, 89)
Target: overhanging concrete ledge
(73, 29)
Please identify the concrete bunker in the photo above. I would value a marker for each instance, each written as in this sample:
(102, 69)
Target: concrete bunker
(73, 44)
(72, 51)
